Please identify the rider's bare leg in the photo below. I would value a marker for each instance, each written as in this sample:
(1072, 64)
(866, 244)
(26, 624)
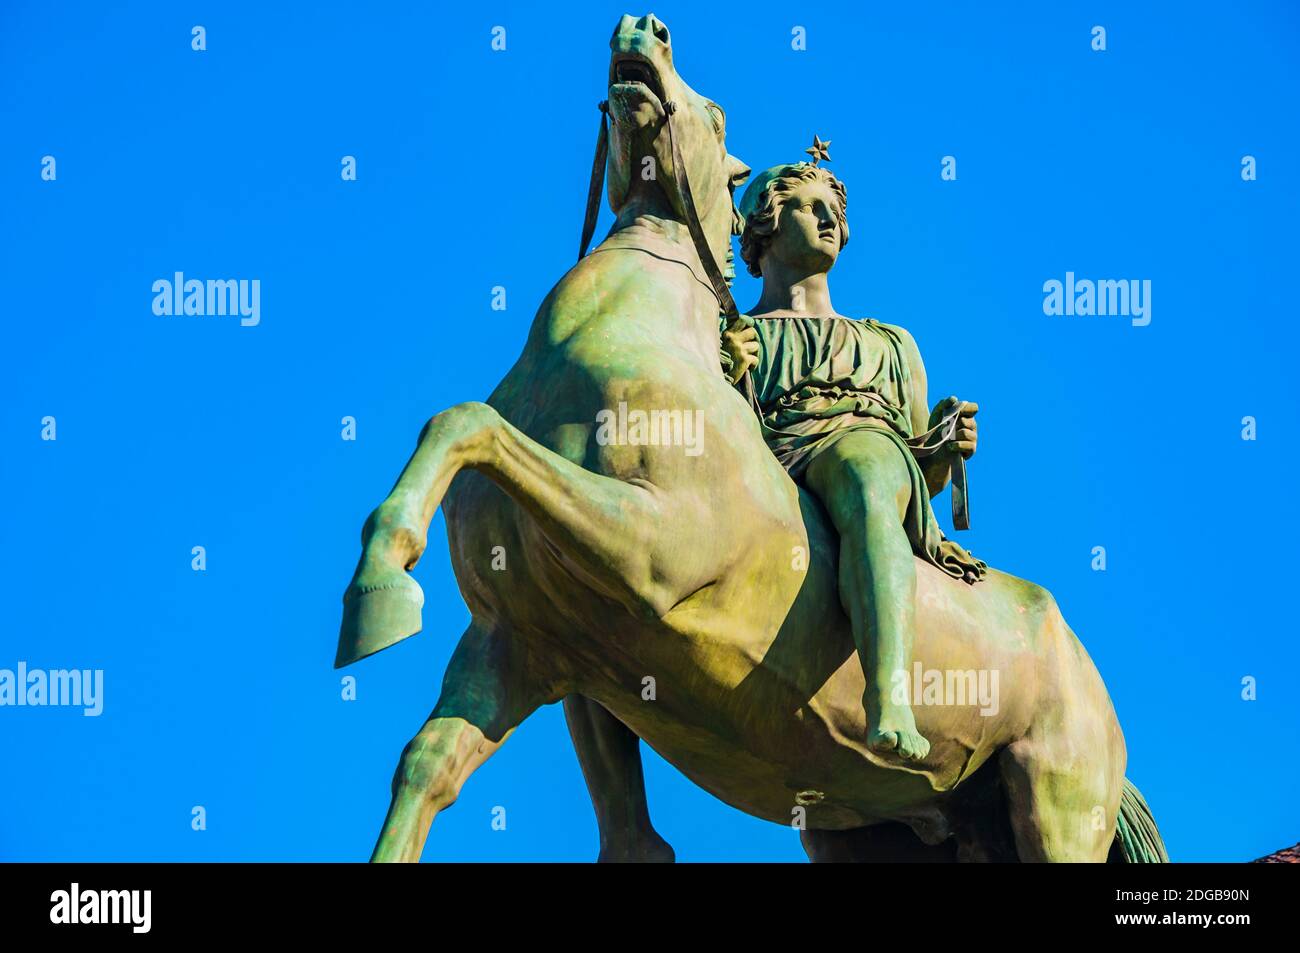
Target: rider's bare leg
(863, 481)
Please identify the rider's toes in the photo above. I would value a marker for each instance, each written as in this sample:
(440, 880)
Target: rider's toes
(882, 741)
(912, 746)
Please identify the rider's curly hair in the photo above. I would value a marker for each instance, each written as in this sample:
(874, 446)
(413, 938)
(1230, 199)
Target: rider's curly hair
(760, 226)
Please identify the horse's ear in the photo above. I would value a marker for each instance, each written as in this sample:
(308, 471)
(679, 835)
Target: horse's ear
(737, 171)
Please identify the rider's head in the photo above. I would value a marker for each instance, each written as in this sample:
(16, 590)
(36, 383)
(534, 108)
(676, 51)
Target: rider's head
(794, 213)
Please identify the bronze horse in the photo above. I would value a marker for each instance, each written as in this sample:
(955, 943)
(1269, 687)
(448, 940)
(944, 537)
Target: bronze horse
(710, 576)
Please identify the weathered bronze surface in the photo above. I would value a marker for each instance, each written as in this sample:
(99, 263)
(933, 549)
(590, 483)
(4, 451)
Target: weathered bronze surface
(699, 563)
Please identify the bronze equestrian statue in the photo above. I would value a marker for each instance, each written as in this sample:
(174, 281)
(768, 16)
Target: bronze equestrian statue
(672, 583)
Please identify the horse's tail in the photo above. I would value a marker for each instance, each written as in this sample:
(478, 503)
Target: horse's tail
(1137, 839)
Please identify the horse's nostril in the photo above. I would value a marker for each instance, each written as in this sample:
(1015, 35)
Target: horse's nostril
(655, 27)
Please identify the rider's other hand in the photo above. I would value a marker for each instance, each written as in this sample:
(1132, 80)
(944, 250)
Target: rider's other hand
(742, 345)
(967, 435)
(966, 438)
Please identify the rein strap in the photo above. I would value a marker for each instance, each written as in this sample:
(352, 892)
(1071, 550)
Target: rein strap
(597, 180)
(726, 304)
(933, 441)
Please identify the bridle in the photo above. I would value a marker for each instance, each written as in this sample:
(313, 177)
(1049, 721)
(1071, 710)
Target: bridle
(726, 303)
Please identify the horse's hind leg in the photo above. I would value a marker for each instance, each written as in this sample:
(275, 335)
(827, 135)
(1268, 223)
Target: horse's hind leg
(485, 696)
(1062, 794)
(610, 755)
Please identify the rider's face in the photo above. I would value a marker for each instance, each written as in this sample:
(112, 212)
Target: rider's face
(808, 230)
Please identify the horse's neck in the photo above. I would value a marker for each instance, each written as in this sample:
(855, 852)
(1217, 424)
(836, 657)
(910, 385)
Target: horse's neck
(670, 240)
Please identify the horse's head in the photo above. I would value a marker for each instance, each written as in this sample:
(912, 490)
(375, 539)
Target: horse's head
(642, 80)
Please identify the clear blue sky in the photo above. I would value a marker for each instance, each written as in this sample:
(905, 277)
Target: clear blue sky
(472, 167)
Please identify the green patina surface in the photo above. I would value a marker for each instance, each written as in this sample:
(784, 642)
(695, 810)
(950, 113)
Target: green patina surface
(745, 624)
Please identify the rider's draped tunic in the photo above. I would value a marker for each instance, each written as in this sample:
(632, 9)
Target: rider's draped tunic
(821, 378)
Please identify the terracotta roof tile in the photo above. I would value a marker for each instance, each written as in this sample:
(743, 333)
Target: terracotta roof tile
(1288, 855)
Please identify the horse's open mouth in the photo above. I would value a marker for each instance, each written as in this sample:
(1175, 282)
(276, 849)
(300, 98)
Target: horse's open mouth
(633, 77)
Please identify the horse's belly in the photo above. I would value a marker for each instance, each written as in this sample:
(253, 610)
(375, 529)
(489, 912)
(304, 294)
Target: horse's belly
(770, 721)
(782, 762)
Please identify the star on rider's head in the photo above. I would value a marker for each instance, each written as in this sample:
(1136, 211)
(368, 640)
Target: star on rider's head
(819, 150)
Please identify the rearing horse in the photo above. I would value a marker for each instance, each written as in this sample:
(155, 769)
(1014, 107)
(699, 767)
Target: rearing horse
(707, 569)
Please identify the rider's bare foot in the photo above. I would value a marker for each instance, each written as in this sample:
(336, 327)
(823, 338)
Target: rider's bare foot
(895, 733)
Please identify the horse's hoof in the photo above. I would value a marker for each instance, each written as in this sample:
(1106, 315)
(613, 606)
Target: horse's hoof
(651, 850)
(378, 612)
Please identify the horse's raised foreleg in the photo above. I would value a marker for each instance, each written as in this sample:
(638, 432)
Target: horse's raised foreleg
(618, 534)
(486, 693)
(610, 755)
